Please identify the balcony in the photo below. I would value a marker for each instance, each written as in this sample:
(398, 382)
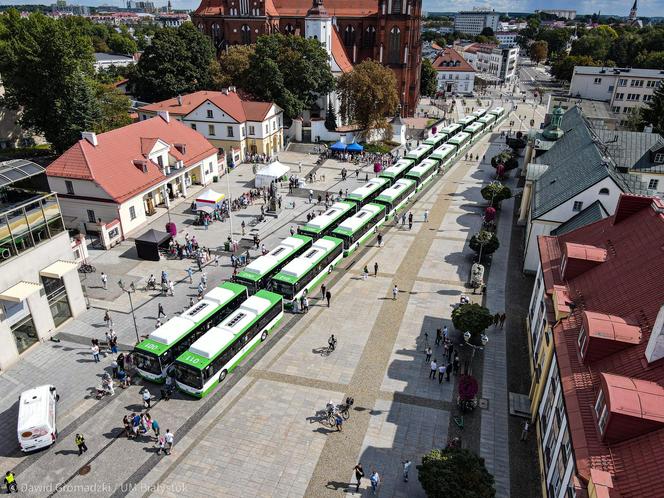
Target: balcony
(27, 218)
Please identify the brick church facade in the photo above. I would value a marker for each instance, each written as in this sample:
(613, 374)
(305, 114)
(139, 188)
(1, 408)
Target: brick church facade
(387, 31)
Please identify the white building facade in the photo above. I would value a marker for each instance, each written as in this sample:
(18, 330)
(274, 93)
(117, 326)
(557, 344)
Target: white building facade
(474, 21)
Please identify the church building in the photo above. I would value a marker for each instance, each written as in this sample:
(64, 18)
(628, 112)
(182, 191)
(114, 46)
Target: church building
(387, 31)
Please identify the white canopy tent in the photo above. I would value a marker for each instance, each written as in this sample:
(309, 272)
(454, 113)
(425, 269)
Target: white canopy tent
(209, 199)
(273, 171)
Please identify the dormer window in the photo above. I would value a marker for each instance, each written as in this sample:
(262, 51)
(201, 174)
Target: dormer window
(659, 158)
(210, 114)
(160, 161)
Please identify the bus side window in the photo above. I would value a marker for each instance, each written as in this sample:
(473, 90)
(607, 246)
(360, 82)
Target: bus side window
(207, 372)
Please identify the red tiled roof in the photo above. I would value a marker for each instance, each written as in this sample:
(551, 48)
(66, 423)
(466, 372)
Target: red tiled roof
(229, 102)
(339, 52)
(112, 162)
(627, 285)
(610, 327)
(299, 8)
(451, 56)
(634, 397)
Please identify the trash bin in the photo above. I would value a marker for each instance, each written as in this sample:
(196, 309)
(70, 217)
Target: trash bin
(227, 246)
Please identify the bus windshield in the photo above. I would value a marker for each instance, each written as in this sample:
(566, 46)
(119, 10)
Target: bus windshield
(147, 362)
(283, 288)
(189, 376)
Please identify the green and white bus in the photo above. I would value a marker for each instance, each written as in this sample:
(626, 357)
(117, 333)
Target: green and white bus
(497, 111)
(397, 170)
(460, 140)
(451, 130)
(478, 113)
(487, 120)
(420, 153)
(359, 227)
(465, 121)
(444, 154)
(209, 360)
(395, 197)
(424, 172)
(368, 192)
(436, 140)
(257, 274)
(324, 224)
(155, 354)
(304, 273)
(474, 129)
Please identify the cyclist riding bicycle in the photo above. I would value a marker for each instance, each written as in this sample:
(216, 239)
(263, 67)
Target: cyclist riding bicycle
(332, 342)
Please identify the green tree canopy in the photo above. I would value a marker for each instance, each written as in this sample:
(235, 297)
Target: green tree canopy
(178, 61)
(455, 473)
(234, 63)
(473, 318)
(563, 67)
(292, 71)
(650, 60)
(330, 117)
(594, 46)
(428, 79)
(539, 51)
(122, 44)
(368, 95)
(496, 192)
(484, 242)
(556, 39)
(653, 113)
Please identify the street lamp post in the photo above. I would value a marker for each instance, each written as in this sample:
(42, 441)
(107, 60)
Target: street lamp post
(230, 210)
(130, 291)
(466, 338)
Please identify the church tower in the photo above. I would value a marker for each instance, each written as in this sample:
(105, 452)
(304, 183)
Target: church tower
(318, 25)
(632, 13)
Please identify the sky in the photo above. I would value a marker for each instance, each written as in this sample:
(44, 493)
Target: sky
(614, 7)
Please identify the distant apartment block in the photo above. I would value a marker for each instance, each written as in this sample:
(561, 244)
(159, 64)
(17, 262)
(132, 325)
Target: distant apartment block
(472, 22)
(567, 14)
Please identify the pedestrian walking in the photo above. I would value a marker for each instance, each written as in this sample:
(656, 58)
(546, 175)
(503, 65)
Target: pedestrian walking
(380, 240)
(338, 422)
(426, 216)
(80, 444)
(428, 353)
(524, 431)
(135, 424)
(448, 370)
(502, 320)
(410, 220)
(439, 336)
(403, 219)
(376, 269)
(108, 320)
(322, 291)
(242, 226)
(395, 292)
(95, 352)
(10, 482)
(365, 272)
(190, 274)
(455, 365)
(375, 482)
(104, 280)
(169, 441)
(328, 296)
(441, 373)
(359, 474)
(406, 469)
(160, 311)
(147, 397)
(154, 426)
(216, 260)
(445, 332)
(171, 288)
(496, 319)
(161, 445)
(434, 369)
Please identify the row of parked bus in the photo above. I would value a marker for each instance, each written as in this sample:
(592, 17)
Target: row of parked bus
(207, 341)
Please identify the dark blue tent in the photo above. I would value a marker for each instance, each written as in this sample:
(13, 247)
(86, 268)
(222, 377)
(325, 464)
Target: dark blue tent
(354, 147)
(338, 147)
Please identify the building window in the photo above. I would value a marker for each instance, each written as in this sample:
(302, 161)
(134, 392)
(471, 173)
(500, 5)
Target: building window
(211, 130)
(651, 84)
(394, 51)
(56, 294)
(289, 29)
(160, 161)
(91, 216)
(252, 130)
(245, 34)
(578, 206)
(396, 6)
(242, 131)
(601, 411)
(581, 341)
(229, 131)
(633, 96)
(349, 36)
(622, 82)
(193, 126)
(267, 129)
(25, 334)
(659, 158)
(597, 81)
(636, 83)
(370, 37)
(620, 96)
(210, 114)
(70, 187)
(615, 109)
(216, 32)
(604, 191)
(132, 213)
(653, 184)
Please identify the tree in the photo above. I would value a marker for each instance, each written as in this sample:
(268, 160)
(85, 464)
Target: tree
(625, 49)
(122, 44)
(556, 39)
(331, 118)
(233, 65)
(428, 79)
(650, 60)
(292, 71)
(593, 46)
(496, 192)
(455, 473)
(484, 243)
(177, 61)
(488, 31)
(368, 94)
(539, 50)
(47, 71)
(114, 106)
(653, 113)
(563, 67)
(473, 318)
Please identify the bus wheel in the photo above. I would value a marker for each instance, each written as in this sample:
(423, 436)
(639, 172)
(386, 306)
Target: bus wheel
(264, 335)
(223, 375)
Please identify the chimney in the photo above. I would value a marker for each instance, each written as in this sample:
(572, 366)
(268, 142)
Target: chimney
(225, 91)
(232, 89)
(180, 100)
(164, 115)
(91, 137)
(647, 128)
(655, 347)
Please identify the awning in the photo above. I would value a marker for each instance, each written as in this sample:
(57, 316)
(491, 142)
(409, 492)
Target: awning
(339, 146)
(20, 292)
(354, 147)
(58, 269)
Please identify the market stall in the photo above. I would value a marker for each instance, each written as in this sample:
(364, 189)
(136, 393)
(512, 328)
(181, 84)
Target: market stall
(274, 171)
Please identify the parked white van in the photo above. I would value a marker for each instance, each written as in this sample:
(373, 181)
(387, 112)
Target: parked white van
(37, 418)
